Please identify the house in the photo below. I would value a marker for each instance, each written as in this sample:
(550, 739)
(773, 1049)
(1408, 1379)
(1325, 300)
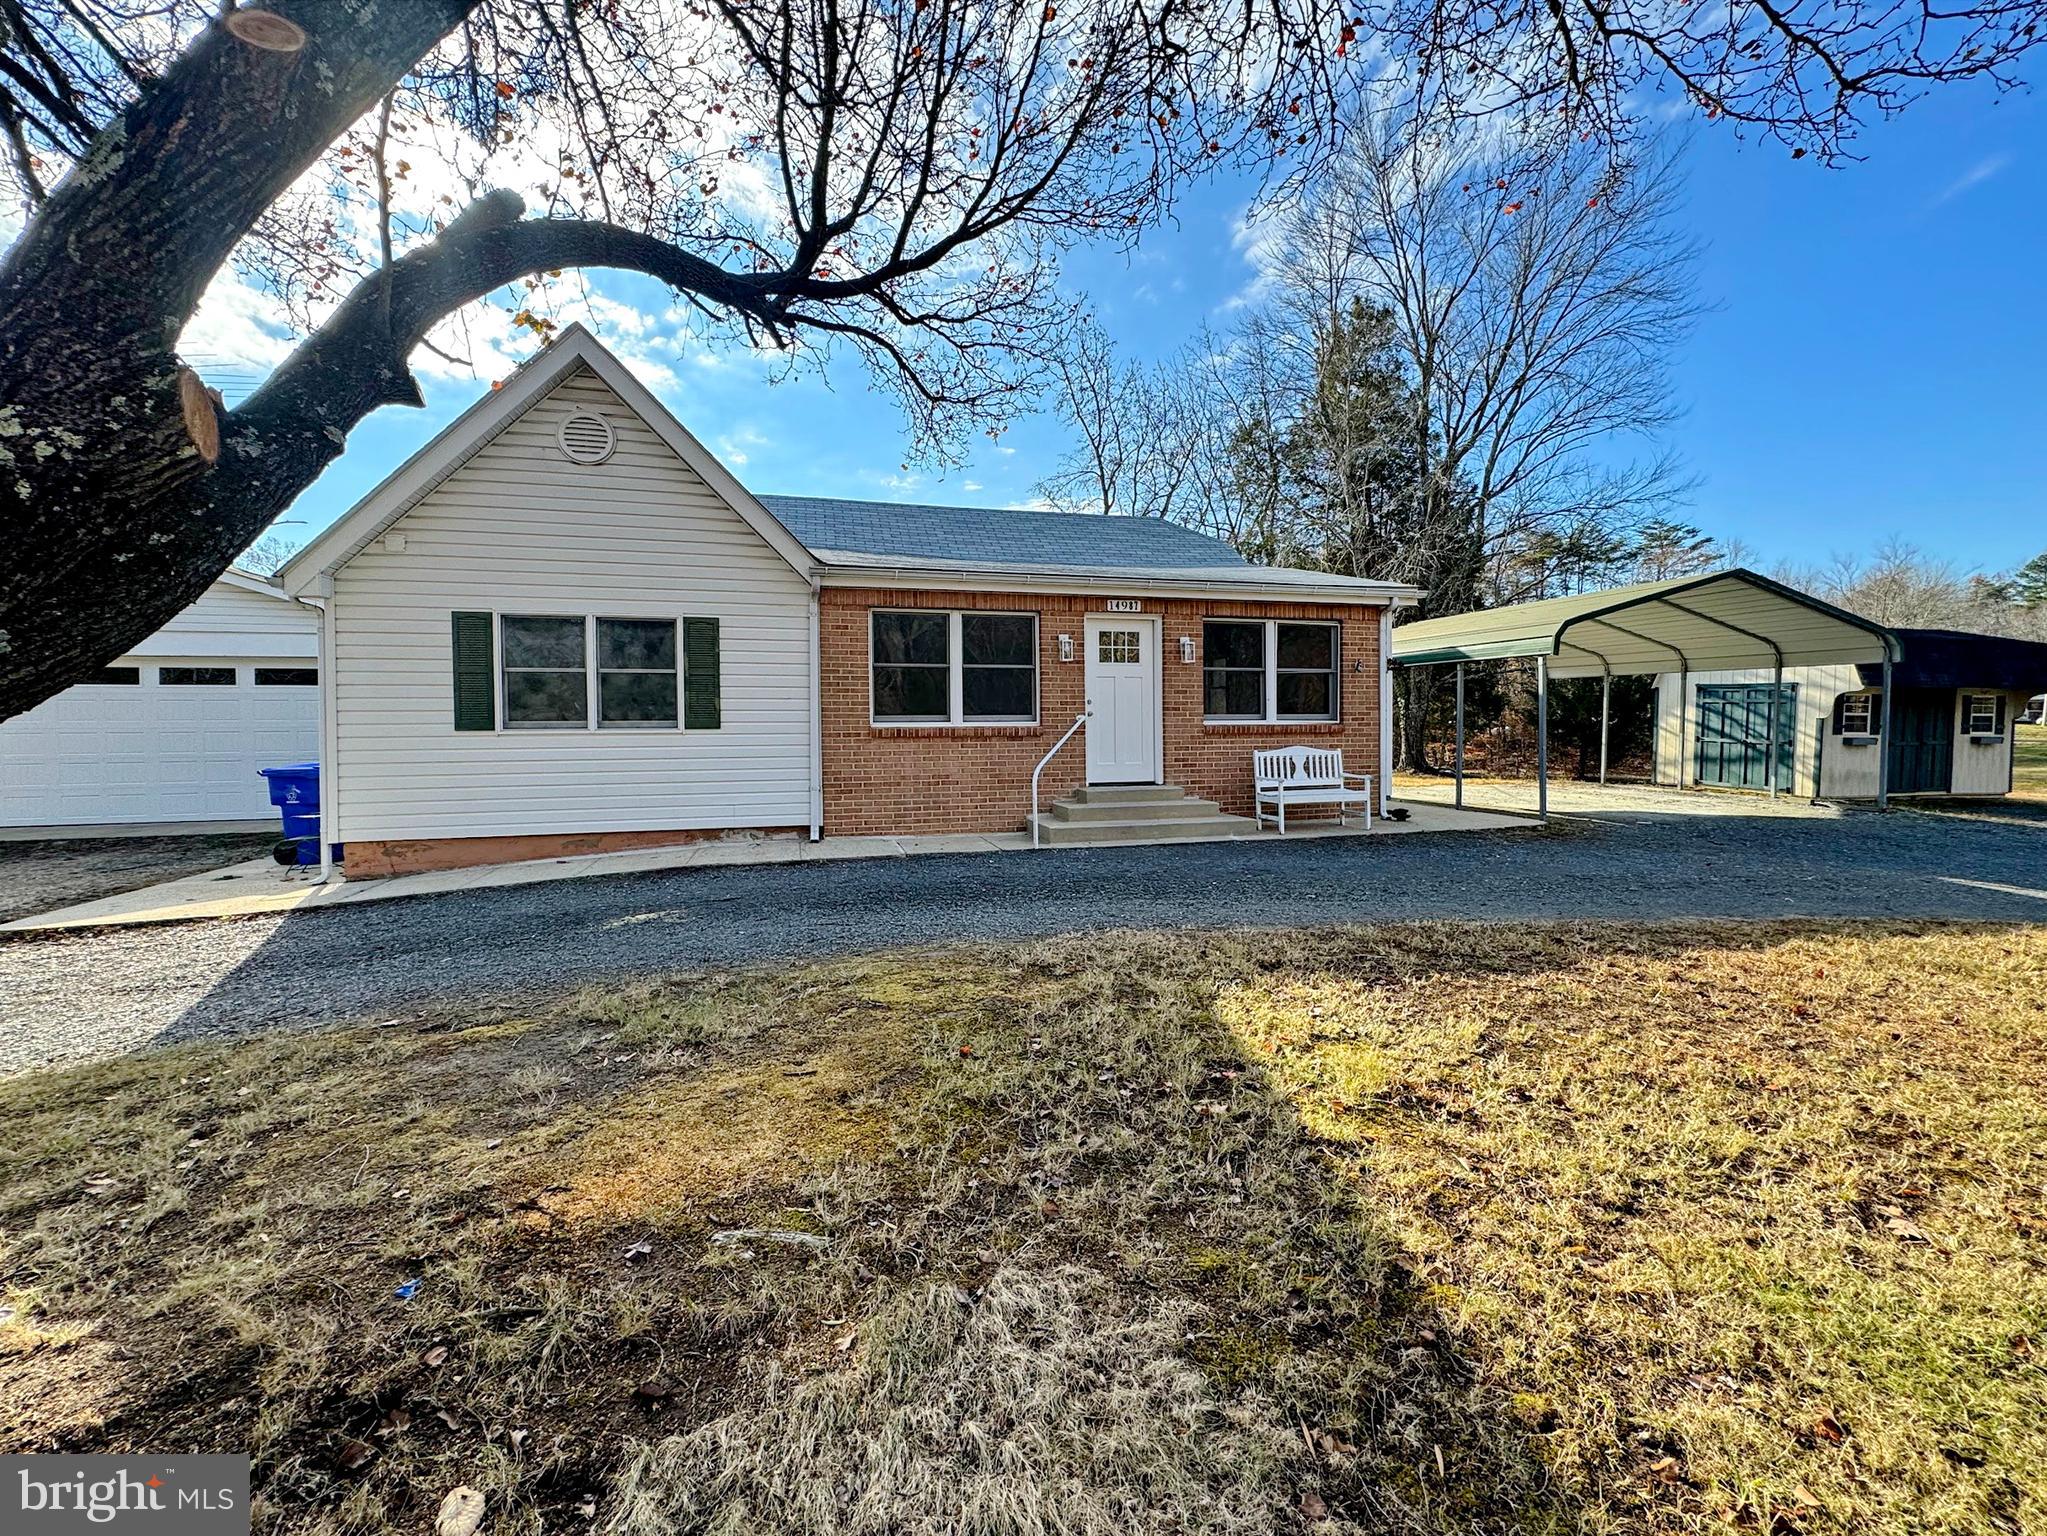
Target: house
(1955, 700)
(172, 733)
(564, 626)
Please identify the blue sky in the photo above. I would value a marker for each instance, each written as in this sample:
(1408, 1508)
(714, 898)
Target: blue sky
(1872, 366)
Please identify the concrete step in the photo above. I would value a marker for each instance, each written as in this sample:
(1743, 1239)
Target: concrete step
(1065, 833)
(1123, 794)
(1176, 808)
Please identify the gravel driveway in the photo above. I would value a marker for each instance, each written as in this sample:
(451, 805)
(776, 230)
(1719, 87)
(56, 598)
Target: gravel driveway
(71, 997)
(43, 874)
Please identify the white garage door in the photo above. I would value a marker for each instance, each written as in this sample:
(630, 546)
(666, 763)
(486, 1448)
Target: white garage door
(180, 743)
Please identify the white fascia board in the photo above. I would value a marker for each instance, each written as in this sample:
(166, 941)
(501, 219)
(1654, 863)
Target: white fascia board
(249, 581)
(1111, 584)
(476, 427)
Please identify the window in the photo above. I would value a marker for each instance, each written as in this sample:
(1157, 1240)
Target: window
(998, 667)
(1306, 681)
(1121, 646)
(1858, 715)
(636, 673)
(287, 677)
(120, 677)
(546, 682)
(1233, 671)
(195, 677)
(588, 672)
(1982, 714)
(1269, 670)
(936, 667)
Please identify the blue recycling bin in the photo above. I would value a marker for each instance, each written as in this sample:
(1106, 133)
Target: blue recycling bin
(295, 791)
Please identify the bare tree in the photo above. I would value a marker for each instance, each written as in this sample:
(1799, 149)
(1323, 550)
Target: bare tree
(885, 177)
(1139, 435)
(1537, 287)
(888, 179)
(1901, 585)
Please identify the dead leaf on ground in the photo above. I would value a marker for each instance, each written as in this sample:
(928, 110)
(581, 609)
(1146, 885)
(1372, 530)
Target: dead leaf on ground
(461, 1513)
(351, 1455)
(1313, 1506)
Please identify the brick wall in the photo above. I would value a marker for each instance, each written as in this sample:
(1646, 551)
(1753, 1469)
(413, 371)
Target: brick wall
(911, 779)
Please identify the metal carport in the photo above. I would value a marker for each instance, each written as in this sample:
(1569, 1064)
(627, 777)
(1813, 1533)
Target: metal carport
(1725, 621)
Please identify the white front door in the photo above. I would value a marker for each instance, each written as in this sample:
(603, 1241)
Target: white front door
(1122, 699)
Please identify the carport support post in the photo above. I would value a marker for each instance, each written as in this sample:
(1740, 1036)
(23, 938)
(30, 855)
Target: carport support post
(1460, 736)
(1605, 701)
(1542, 737)
(1883, 743)
(1770, 754)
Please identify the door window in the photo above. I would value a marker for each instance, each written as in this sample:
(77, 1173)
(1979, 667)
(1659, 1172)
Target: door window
(1118, 645)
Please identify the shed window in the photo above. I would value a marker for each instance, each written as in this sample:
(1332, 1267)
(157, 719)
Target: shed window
(546, 681)
(636, 673)
(1269, 670)
(941, 667)
(1983, 714)
(1858, 715)
(195, 677)
(287, 677)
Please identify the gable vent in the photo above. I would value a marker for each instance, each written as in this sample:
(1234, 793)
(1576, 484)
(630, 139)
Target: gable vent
(587, 438)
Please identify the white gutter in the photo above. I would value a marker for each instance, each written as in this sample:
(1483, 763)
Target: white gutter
(329, 732)
(1386, 711)
(816, 718)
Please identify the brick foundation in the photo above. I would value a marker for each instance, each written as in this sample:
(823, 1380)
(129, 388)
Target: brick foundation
(921, 779)
(414, 856)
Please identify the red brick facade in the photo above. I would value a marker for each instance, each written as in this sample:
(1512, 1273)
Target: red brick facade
(921, 779)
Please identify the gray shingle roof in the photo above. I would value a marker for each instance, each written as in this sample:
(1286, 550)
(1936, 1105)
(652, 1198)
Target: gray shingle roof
(996, 536)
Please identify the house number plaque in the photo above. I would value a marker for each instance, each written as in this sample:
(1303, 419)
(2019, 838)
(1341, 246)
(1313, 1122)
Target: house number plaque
(1126, 605)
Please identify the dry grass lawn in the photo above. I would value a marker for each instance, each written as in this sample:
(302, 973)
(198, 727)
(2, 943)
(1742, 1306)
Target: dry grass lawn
(2029, 763)
(1430, 1228)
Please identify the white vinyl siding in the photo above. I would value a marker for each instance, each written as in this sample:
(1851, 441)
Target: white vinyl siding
(138, 753)
(519, 529)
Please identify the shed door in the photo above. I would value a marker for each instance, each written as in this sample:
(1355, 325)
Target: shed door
(1922, 745)
(1734, 734)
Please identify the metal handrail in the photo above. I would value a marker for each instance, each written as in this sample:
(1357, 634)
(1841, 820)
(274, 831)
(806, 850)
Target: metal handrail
(1078, 721)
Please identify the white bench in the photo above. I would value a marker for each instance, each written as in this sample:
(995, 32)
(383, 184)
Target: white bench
(1288, 776)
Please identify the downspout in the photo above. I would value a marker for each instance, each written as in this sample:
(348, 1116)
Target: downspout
(1386, 712)
(816, 714)
(330, 770)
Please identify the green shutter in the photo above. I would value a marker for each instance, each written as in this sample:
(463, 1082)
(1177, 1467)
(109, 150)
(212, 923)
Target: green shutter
(476, 707)
(700, 709)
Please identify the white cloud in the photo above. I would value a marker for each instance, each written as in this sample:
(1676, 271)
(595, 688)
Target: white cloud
(1974, 176)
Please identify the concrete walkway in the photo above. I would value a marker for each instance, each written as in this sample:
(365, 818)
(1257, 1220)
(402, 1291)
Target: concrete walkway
(1574, 797)
(260, 886)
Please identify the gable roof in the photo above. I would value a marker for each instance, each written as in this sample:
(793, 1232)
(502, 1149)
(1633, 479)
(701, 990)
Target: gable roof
(1715, 622)
(819, 536)
(847, 532)
(475, 428)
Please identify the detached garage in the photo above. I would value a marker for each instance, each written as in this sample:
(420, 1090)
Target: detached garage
(174, 731)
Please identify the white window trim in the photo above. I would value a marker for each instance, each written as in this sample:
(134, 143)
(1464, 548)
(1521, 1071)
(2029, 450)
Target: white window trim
(1969, 703)
(1868, 703)
(598, 669)
(1272, 716)
(955, 668)
(591, 672)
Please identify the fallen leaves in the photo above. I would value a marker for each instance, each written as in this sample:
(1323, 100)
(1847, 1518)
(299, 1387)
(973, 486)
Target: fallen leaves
(461, 1512)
